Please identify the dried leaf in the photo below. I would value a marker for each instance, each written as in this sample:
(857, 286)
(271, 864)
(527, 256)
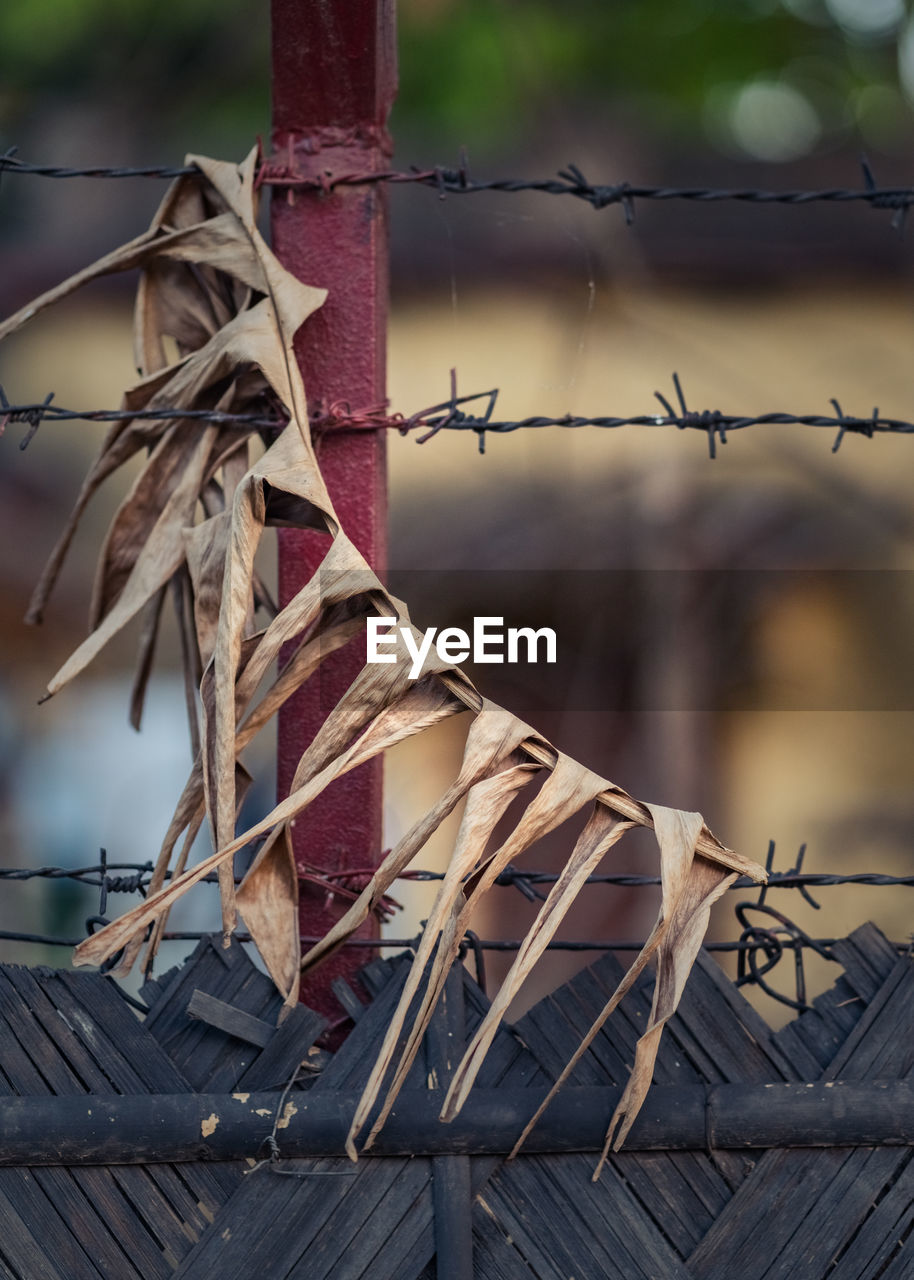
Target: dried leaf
(210, 283)
(205, 548)
(486, 803)
(568, 787)
(689, 886)
(152, 617)
(159, 558)
(122, 442)
(136, 518)
(191, 665)
(397, 723)
(268, 900)
(603, 830)
(493, 736)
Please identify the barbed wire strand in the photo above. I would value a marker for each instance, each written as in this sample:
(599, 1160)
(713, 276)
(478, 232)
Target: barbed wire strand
(99, 874)
(759, 948)
(487, 944)
(448, 180)
(449, 415)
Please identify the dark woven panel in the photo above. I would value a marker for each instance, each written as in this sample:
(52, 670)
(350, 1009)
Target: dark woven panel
(845, 1213)
(66, 1033)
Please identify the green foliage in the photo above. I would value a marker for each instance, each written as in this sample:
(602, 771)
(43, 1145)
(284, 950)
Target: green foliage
(476, 71)
(184, 67)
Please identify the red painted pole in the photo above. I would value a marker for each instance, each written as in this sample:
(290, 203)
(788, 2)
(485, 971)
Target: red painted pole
(334, 80)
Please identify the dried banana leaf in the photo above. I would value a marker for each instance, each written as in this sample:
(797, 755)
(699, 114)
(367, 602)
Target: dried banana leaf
(195, 517)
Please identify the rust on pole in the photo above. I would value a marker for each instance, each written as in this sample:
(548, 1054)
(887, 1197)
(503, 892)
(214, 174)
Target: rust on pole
(334, 81)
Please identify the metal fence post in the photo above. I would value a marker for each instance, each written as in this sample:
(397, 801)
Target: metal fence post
(334, 80)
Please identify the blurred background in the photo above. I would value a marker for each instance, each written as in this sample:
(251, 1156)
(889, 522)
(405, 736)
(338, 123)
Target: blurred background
(735, 635)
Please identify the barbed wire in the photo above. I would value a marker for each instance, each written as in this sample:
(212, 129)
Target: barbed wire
(449, 415)
(759, 948)
(33, 415)
(138, 875)
(456, 180)
(487, 944)
(10, 163)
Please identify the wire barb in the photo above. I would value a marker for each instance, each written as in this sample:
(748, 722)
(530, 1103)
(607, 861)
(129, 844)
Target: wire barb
(899, 201)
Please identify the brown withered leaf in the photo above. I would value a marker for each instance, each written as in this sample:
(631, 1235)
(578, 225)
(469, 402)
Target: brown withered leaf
(132, 527)
(195, 517)
(494, 735)
(123, 442)
(426, 705)
(157, 560)
(149, 634)
(486, 804)
(690, 884)
(205, 549)
(602, 831)
(565, 791)
(192, 667)
(263, 897)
